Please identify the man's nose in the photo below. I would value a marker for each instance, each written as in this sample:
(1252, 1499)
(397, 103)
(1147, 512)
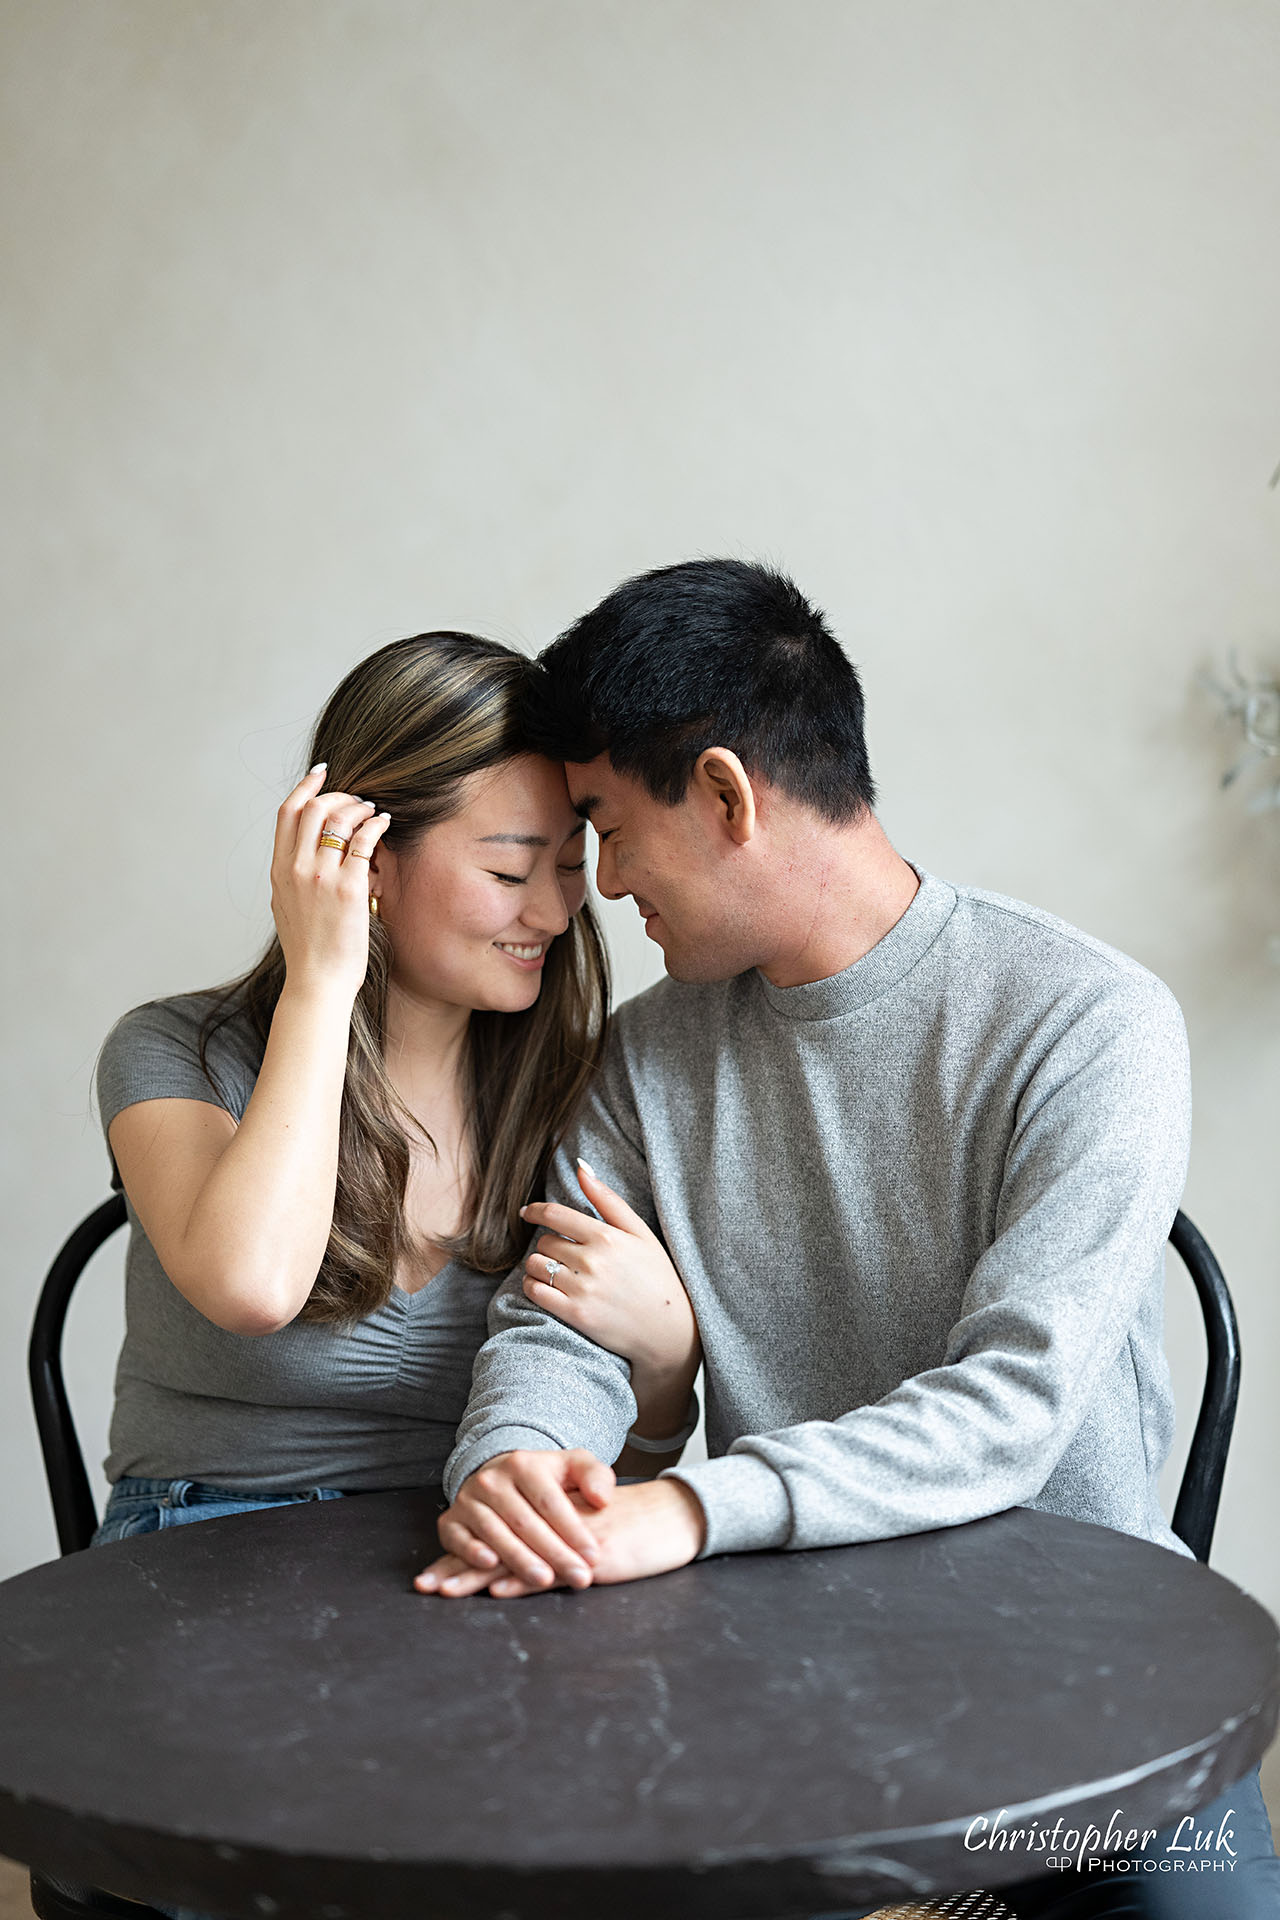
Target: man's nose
(607, 874)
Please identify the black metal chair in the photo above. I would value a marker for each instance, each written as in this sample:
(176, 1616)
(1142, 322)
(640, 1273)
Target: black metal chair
(74, 1513)
(73, 1510)
(1196, 1512)
(1194, 1516)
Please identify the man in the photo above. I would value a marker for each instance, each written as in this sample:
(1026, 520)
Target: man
(913, 1149)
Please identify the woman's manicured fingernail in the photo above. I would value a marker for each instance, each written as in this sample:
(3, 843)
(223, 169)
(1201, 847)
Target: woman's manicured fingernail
(587, 1169)
(425, 1583)
(523, 1212)
(319, 766)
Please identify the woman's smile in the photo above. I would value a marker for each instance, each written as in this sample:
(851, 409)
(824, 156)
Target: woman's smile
(529, 957)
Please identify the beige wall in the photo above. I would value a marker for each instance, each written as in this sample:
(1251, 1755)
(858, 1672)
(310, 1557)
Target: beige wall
(334, 319)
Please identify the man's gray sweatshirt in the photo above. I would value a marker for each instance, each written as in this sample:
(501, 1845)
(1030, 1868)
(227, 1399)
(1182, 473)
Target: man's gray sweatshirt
(920, 1209)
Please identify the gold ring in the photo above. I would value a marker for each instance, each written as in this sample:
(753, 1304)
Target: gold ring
(334, 840)
(359, 856)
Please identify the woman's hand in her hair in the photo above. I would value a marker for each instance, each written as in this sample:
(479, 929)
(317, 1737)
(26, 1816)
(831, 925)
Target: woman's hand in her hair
(615, 1283)
(320, 895)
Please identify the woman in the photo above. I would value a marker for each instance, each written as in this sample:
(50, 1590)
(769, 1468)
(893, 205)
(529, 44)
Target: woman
(324, 1161)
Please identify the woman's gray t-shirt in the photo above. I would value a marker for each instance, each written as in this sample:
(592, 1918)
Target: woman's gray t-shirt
(358, 1407)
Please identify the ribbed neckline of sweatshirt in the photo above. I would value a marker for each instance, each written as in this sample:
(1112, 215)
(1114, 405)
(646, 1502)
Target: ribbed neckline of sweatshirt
(879, 969)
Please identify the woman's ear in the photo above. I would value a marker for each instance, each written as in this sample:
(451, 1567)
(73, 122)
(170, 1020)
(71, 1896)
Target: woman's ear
(382, 867)
(720, 779)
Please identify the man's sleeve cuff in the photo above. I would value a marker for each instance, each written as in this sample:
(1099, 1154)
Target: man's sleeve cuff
(469, 1458)
(745, 1503)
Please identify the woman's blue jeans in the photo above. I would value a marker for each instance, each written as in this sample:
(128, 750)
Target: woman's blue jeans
(148, 1506)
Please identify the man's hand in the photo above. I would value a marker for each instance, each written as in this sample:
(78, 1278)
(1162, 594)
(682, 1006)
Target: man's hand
(643, 1529)
(516, 1514)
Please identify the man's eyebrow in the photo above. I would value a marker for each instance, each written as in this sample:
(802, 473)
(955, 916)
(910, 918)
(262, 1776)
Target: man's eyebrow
(588, 804)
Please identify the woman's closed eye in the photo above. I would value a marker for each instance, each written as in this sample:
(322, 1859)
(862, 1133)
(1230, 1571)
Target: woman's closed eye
(523, 879)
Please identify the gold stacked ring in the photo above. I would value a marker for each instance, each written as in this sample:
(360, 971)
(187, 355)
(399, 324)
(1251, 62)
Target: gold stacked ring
(330, 839)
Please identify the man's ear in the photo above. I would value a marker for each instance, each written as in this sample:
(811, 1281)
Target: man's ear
(721, 780)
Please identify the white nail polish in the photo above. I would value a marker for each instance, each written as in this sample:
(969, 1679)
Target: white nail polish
(587, 1169)
(319, 766)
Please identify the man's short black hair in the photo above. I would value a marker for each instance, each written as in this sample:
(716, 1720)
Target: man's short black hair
(710, 653)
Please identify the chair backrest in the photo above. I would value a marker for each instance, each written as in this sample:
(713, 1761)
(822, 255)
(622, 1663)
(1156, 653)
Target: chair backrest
(1194, 1516)
(73, 1509)
(74, 1513)
(1196, 1511)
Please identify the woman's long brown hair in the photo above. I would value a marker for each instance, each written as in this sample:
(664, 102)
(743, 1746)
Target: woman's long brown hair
(404, 729)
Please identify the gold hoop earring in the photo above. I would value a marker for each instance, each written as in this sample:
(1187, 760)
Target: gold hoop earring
(373, 905)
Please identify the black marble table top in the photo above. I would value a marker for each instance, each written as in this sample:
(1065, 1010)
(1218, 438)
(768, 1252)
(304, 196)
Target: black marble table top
(257, 1715)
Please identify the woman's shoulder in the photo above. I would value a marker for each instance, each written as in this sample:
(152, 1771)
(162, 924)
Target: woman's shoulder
(153, 1053)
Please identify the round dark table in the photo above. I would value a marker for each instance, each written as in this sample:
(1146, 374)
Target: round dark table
(258, 1716)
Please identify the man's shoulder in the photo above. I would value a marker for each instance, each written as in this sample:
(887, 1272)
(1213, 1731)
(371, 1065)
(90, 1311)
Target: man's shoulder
(1048, 950)
(681, 1001)
(1058, 996)
(673, 1015)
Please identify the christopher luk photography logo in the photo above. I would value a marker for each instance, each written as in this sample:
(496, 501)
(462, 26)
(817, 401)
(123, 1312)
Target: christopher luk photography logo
(1120, 1848)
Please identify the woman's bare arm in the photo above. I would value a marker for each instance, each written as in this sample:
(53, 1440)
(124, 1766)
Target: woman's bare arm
(240, 1216)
